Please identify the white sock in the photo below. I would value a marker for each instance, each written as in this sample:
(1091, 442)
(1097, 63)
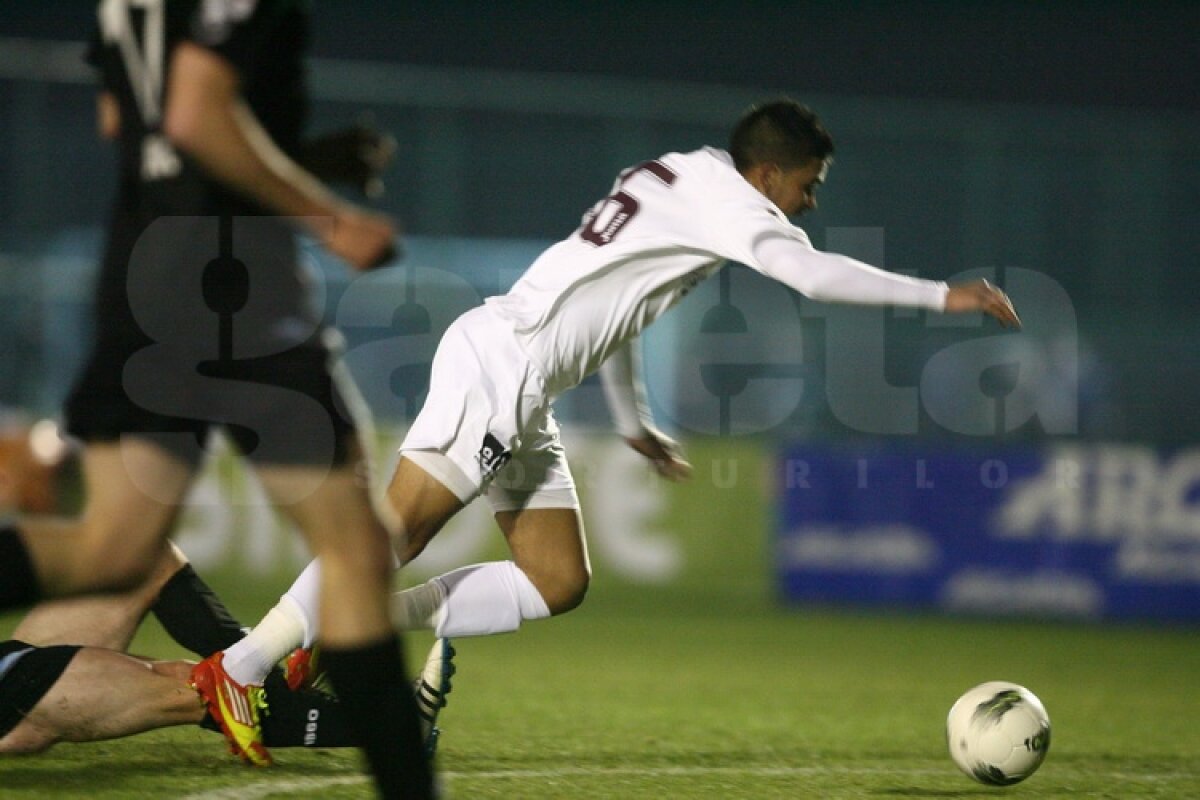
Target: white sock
(281, 630)
(471, 601)
(417, 608)
(290, 624)
(305, 592)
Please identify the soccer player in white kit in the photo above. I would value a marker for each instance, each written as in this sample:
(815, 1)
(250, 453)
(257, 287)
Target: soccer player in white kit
(487, 427)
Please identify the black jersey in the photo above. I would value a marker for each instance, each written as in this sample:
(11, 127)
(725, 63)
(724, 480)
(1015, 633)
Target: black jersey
(263, 40)
(202, 314)
(170, 220)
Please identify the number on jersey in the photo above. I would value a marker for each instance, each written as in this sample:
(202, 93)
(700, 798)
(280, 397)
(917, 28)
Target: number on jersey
(144, 58)
(607, 218)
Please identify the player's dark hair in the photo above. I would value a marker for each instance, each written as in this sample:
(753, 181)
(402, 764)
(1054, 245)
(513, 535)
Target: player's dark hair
(781, 132)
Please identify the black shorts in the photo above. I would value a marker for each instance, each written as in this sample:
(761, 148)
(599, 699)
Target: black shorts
(283, 409)
(27, 680)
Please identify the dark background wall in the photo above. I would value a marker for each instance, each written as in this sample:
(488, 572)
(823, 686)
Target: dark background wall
(1057, 137)
(1066, 52)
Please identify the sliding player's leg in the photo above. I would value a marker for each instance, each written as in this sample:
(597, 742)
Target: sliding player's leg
(196, 618)
(63, 677)
(190, 611)
(65, 693)
(98, 692)
(53, 690)
(187, 608)
(108, 621)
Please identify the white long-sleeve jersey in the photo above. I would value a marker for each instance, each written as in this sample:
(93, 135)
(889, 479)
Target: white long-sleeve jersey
(667, 225)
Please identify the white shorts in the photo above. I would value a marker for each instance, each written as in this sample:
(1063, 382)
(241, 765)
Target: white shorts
(486, 425)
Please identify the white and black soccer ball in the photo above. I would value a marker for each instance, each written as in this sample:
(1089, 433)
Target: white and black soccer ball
(998, 733)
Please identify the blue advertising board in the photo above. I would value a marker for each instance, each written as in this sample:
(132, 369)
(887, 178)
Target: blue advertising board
(1078, 531)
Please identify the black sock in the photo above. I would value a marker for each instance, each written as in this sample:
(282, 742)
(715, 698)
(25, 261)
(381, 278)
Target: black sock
(378, 703)
(307, 718)
(18, 580)
(192, 614)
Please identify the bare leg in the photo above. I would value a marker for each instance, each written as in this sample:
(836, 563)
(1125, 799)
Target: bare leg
(343, 531)
(104, 695)
(133, 491)
(107, 621)
(362, 653)
(549, 574)
(422, 506)
(548, 545)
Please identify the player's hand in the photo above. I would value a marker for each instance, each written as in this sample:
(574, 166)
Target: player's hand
(982, 296)
(363, 239)
(664, 453)
(357, 156)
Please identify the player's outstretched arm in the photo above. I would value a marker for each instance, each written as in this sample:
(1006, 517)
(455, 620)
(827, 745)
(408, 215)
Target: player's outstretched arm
(626, 395)
(982, 296)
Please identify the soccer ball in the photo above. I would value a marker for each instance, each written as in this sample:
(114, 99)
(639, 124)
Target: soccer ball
(998, 733)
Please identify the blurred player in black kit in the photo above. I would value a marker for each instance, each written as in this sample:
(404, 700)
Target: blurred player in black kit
(202, 322)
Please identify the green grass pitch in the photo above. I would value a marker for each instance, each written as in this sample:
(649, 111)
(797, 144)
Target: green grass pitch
(708, 689)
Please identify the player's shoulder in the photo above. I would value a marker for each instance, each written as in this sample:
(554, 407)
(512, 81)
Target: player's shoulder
(213, 23)
(706, 161)
(203, 21)
(708, 173)
(713, 179)
(238, 24)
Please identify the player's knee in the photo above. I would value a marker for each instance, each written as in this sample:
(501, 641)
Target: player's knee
(565, 592)
(409, 545)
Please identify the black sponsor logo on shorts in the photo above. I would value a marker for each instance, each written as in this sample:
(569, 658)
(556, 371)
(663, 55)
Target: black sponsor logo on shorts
(491, 456)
